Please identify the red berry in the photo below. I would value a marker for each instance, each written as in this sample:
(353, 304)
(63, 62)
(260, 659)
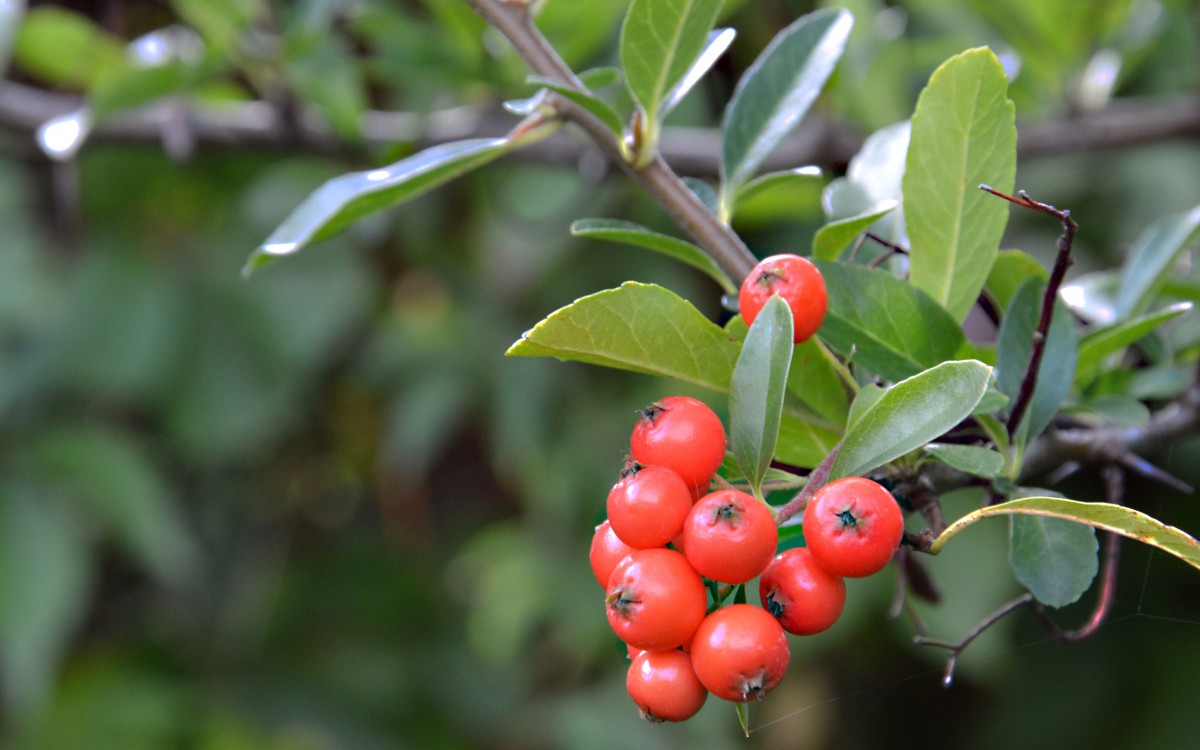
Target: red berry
(797, 281)
(682, 434)
(664, 686)
(607, 550)
(729, 536)
(802, 595)
(655, 599)
(740, 653)
(647, 507)
(853, 526)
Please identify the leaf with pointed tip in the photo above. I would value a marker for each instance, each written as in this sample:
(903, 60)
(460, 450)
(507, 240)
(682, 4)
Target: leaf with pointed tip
(1012, 269)
(910, 414)
(1105, 516)
(640, 327)
(1098, 345)
(963, 133)
(1154, 255)
(893, 328)
(776, 91)
(586, 99)
(982, 462)
(660, 41)
(831, 239)
(598, 78)
(343, 200)
(718, 41)
(630, 233)
(757, 388)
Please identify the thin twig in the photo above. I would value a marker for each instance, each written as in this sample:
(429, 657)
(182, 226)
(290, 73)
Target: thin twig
(956, 649)
(816, 480)
(656, 177)
(1061, 262)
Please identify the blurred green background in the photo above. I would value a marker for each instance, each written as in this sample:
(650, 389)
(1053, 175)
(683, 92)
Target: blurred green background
(319, 509)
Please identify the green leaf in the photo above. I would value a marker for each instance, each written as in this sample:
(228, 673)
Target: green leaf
(108, 475)
(638, 327)
(831, 239)
(635, 234)
(703, 191)
(346, 199)
(1120, 409)
(1015, 348)
(963, 134)
(992, 402)
(1011, 270)
(775, 92)
(586, 99)
(757, 388)
(743, 713)
(598, 78)
(874, 175)
(910, 414)
(1098, 345)
(982, 462)
(867, 397)
(660, 41)
(64, 48)
(763, 183)
(813, 379)
(718, 41)
(1093, 296)
(45, 571)
(1153, 256)
(1105, 516)
(804, 443)
(893, 328)
(1054, 558)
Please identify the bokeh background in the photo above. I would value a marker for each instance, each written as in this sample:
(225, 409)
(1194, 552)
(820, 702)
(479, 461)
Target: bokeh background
(320, 509)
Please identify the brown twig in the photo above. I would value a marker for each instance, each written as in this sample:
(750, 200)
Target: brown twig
(956, 649)
(1061, 262)
(816, 480)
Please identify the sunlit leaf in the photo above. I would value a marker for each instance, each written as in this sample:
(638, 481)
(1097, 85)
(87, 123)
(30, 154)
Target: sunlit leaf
(963, 134)
(832, 238)
(589, 101)
(660, 42)
(718, 41)
(638, 327)
(763, 183)
(1106, 516)
(910, 414)
(776, 91)
(757, 388)
(874, 175)
(629, 233)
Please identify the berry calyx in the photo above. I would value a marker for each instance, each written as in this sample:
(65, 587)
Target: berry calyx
(804, 597)
(729, 536)
(740, 653)
(655, 600)
(853, 526)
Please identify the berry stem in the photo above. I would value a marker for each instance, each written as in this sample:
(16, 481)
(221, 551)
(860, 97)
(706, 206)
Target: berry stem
(816, 480)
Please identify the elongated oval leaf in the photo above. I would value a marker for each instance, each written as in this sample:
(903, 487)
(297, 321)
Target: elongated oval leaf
(1054, 558)
(910, 414)
(660, 41)
(1100, 344)
(763, 183)
(1154, 255)
(777, 90)
(1115, 518)
(638, 235)
(963, 134)
(757, 388)
(585, 99)
(1010, 271)
(893, 328)
(1015, 348)
(345, 199)
(718, 41)
(640, 327)
(972, 459)
(832, 238)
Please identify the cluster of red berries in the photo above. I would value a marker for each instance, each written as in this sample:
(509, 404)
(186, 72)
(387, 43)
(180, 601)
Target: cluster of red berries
(668, 544)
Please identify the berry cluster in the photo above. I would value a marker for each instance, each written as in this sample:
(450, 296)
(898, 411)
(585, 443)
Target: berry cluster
(670, 551)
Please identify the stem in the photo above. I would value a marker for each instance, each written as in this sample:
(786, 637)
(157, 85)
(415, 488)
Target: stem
(955, 649)
(838, 366)
(656, 177)
(1061, 263)
(816, 480)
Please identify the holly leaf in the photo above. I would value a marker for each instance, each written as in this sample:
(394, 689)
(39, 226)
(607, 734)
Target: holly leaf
(775, 92)
(910, 414)
(757, 388)
(963, 134)
(638, 327)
